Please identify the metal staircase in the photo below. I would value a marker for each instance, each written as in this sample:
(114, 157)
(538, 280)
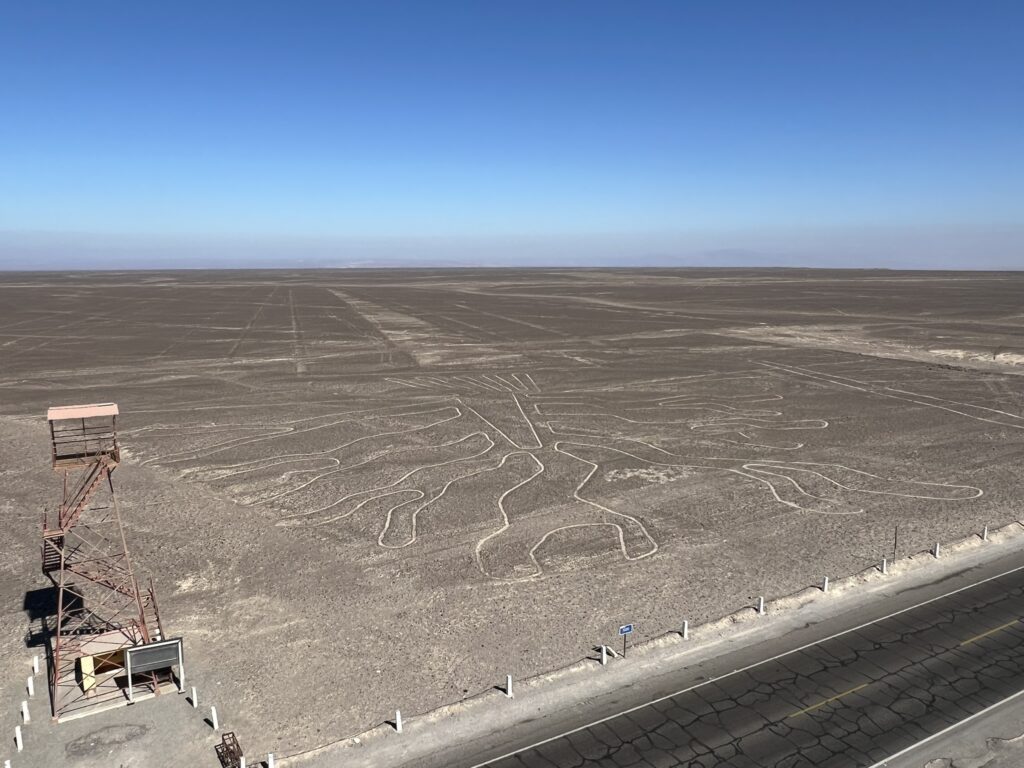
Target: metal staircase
(101, 610)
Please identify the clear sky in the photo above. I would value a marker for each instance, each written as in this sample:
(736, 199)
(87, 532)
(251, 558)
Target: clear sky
(163, 134)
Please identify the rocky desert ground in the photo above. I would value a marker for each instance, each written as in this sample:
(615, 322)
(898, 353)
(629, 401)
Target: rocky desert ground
(357, 490)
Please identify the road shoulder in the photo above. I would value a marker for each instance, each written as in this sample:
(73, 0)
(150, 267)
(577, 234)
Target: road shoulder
(491, 725)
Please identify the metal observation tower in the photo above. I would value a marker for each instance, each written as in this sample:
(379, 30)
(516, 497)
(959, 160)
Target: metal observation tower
(107, 647)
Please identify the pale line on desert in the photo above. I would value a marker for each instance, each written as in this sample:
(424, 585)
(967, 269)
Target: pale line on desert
(793, 481)
(760, 397)
(248, 327)
(534, 383)
(402, 479)
(293, 472)
(711, 406)
(415, 384)
(227, 445)
(714, 407)
(175, 408)
(775, 426)
(488, 385)
(483, 378)
(830, 379)
(257, 464)
(403, 383)
(429, 502)
(476, 328)
(188, 430)
(634, 384)
(536, 437)
(296, 334)
(188, 455)
(474, 384)
(506, 524)
(616, 526)
(788, 465)
(387, 519)
(794, 447)
(956, 402)
(340, 469)
(576, 494)
(721, 421)
(771, 487)
(515, 386)
(210, 476)
(287, 522)
(364, 462)
(522, 384)
(753, 467)
(512, 442)
(513, 320)
(505, 384)
(497, 384)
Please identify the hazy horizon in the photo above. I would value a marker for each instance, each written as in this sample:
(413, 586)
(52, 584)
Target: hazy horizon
(575, 134)
(861, 248)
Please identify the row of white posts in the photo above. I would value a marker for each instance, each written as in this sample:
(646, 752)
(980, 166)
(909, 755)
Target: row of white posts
(398, 713)
(215, 723)
(26, 717)
(684, 633)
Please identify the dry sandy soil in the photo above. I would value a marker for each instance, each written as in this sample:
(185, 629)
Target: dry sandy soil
(357, 490)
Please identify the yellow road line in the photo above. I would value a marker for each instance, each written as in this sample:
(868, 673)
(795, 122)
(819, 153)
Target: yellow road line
(829, 701)
(970, 640)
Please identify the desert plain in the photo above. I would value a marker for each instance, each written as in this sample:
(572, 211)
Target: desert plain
(358, 490)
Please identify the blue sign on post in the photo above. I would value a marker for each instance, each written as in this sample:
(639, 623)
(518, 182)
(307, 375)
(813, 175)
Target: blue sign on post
(624, 630)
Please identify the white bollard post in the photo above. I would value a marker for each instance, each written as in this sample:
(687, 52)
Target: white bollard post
(195, 698)
(760, 606)
(824, 585)
(35, 665)
(604, 655)
(508, 686)
(7, 764)
(686, 629)
(241, 762)
(17, 738)
(31, 686)
(936, 550)
(270, 760)
(398, 720)
(984, 534)
(213, 719)
(24, 713)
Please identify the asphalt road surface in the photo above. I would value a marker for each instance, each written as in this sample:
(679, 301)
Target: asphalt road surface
(849, 701)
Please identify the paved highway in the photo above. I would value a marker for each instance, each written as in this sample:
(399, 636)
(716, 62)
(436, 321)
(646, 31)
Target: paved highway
(847, 701)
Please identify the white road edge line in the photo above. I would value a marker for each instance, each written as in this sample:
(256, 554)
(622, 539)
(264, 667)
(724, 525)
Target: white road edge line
(946, 730)
(751, 666)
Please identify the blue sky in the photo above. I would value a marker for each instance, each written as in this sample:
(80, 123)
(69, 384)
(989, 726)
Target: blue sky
(190, 133)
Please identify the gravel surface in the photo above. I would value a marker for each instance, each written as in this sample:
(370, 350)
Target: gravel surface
(362, 490)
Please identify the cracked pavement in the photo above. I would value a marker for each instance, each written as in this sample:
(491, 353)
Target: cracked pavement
(846, 702)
